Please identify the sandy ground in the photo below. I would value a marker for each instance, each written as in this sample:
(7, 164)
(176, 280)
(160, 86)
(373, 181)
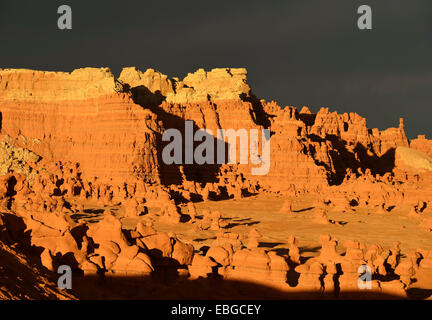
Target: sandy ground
(262, 212)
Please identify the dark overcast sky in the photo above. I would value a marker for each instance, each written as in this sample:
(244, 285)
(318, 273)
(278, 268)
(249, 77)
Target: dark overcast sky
(305, 52)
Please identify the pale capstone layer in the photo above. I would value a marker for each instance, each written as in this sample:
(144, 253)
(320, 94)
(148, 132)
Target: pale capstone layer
(217, 84)
(38, 86)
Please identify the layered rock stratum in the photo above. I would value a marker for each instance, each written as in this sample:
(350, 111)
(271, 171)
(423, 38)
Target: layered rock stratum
(84, 182)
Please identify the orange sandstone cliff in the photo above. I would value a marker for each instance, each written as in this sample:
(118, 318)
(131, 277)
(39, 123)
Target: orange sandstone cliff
(112, 127)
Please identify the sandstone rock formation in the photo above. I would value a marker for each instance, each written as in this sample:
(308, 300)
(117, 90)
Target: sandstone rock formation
(83, 183)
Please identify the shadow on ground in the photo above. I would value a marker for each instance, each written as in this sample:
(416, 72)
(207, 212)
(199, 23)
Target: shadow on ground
(93, 287)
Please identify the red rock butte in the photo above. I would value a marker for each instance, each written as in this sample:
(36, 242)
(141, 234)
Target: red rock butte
(84, 184)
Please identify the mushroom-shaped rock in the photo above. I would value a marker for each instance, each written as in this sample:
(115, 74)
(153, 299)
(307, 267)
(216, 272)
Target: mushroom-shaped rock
(109, 229)
(328, 249)
(294, 251)
(254, 235)
(310, 275)
(406, 271)
(182, 253)
(201, 266)
(278, 268)
(145, 229)
(219, 255)
(329, 279)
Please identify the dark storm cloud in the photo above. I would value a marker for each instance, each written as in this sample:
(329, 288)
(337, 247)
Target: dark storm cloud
(306, 52)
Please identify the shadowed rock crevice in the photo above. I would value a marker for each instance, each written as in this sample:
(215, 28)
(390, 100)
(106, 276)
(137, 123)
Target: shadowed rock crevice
(360, 158)
(258, 114)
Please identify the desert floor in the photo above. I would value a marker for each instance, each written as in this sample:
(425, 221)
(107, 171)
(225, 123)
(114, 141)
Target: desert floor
(262, 212)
